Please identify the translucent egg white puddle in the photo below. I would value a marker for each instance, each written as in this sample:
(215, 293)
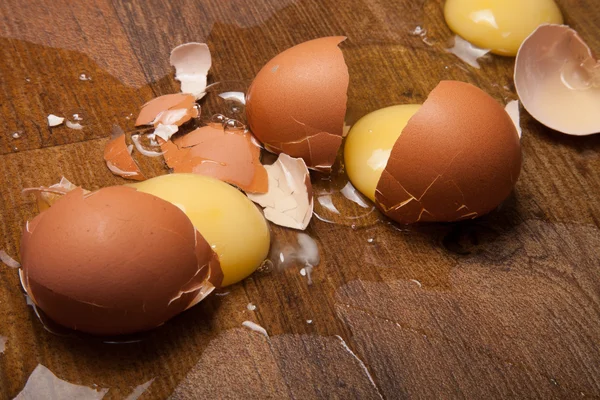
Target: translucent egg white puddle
(467, 52)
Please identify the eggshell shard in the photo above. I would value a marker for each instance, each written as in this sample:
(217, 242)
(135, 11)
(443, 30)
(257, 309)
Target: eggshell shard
(46, 196)
(115, 261)
(512, 109)
(451, 162)
(557, 79)
(54, 120)
(170, 109)
(289, 200)
(192, 62)
(297, 102)
(229, 155)
(119, 161)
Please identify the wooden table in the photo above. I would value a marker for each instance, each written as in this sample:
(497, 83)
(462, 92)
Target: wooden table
(505, 306)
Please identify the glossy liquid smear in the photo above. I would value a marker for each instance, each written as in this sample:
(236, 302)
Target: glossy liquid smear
(499, 25)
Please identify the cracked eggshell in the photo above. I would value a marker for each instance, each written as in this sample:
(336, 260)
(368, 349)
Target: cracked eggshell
(115, 261)
(297, 102)
(170, 109)
(458, 157)
(228, 155)
(289, 200)
(557, 79)
(192, 62)
(119, 161)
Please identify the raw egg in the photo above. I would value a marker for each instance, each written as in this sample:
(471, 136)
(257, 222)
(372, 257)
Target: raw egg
(499, 25)
(370, 143)
(457, 156)
(115, 261)
(230, 222)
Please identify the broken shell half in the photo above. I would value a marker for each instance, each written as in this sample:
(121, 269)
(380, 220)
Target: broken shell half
(297, 102)
(557, 79)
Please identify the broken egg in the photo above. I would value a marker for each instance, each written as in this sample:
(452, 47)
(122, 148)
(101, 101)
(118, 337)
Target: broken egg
(500, 26)
(230, 155)
(232, 224)
(297, 102)
(457, 156)
(115, 261)
(557, 79)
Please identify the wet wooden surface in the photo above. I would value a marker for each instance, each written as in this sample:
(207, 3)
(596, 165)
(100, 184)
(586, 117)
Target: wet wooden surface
(506, 306)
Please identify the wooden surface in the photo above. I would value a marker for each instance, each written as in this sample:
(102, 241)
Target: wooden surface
(506, 306)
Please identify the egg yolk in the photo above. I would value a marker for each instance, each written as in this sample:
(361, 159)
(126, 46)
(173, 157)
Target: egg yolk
(226, 218)
(499, 25)
(369, 144)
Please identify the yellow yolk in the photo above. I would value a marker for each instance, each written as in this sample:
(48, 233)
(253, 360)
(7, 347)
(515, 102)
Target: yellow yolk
(499, 25)
(369, 144)
(225, 217)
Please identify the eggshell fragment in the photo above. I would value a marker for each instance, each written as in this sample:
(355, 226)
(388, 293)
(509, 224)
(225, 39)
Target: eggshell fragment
(289, 200)
(512, 109)
(8, 260)
(297, 102)
(43, 384)
(115, 261)
(119, 161)
(229, 155)
(170, 109)
(54, 120)
(192, 62)
(557, 79)
(458, 157)
(46, 196)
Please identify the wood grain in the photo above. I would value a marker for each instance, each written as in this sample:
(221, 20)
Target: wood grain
(506, 306)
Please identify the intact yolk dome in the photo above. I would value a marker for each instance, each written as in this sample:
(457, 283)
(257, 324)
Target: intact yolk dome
(499, 25)
(369, 144)
(226, 218)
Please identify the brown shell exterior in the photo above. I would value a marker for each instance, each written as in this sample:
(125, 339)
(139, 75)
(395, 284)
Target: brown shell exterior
(114, 261)
(297, 102)
(458, 157)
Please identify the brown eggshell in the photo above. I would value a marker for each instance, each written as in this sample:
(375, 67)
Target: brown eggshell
(557, 79)
(458, 157)
(115, 261)
(297, 102)
(170, 109)
(228, 155)
(119, 161)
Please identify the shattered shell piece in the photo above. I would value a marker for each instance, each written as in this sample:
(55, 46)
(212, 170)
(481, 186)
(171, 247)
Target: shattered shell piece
(512, 109)
(54, 120)
(297, 102)
(192, 62)
(450, 163)
(289, 201)
(119, 161)
(557, 79)
(170, 109)
(228, 155)
(115, 261)
(46, 196)
(43, 384)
